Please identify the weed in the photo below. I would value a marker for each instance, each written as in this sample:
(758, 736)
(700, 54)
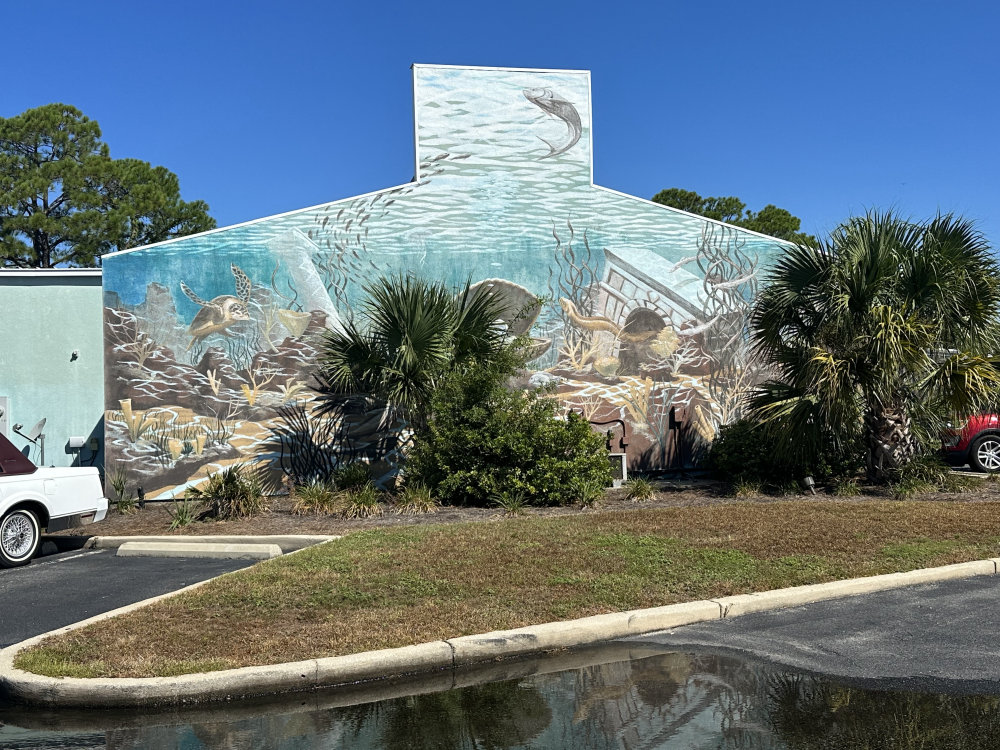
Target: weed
(415, 499)
(962, 482)
(787, 489)
(315, 497)
(125, 502)
(229, 494)
(928, 469)
(181, 513)
(745, 488)
(906, 488)
(847, 488)
(513, 503)
(590, 494)
(363, 502)
(639, 490)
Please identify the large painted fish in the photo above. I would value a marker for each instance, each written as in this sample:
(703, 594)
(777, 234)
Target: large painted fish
(550, 102)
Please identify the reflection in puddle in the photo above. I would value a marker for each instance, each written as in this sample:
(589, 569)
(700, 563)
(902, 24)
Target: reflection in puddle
(664, 700)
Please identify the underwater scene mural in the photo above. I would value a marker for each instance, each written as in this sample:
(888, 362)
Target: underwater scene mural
(636, 311)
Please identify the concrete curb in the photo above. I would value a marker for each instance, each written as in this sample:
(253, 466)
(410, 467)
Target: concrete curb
(437, 656)
(213, 551)
(287, 542)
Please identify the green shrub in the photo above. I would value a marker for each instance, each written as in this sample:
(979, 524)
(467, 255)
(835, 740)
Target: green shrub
(181, 514)
(589, 495)
(962, 483)
(746, 488)
(639, 490)
(352, 476)
(513, 503)
(928, 473)
(485, 441)
(363, 502)
(414, 499)
(315, 497)
(847, 488)
(235, 492)
(744, 450)
(906, 488)
(927, 468)
(125, 501)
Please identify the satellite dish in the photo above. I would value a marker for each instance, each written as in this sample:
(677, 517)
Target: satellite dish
(37, 430)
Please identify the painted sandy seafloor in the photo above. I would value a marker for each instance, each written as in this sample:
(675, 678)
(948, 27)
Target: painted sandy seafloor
(212, 340)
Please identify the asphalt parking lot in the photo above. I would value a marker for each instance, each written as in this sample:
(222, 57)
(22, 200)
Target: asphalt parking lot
(61, 588)
(937, 637)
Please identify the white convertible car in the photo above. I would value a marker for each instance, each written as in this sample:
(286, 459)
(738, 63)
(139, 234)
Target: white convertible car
(33, 498)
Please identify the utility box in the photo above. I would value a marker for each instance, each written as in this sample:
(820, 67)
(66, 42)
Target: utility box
(619, 469)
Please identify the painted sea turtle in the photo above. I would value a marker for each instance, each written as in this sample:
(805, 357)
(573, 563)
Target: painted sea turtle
(216, 315)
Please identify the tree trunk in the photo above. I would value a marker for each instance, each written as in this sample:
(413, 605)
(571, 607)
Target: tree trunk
(891, 442)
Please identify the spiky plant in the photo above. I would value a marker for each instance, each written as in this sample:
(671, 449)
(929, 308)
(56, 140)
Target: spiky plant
(415, 499)
(639, 489)
(880, 334)
(412, 332)
(230, 494)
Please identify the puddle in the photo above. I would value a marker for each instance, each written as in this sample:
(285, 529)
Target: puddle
(620, 696)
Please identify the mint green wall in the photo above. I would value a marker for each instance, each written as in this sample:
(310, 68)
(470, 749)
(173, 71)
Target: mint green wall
(47, 315)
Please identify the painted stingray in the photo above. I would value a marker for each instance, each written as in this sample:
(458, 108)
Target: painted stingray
(216, 315)
(550, 102)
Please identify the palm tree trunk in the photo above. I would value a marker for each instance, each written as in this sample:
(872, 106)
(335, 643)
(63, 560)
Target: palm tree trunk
(891, 442)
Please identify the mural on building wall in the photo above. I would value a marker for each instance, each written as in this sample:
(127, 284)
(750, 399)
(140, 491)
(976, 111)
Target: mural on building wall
(211, 340)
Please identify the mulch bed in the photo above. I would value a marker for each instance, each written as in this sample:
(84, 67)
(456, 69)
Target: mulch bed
(154, 519)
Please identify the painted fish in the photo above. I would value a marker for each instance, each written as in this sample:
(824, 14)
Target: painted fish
(553, 104)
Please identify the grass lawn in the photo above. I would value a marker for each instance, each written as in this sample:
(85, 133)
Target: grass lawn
(393, 587)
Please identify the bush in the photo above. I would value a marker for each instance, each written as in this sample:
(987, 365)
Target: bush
(125, 501)
(639, 490)
(315, 497)
(415, 499)
(232, 493)
(743, 451)
(363, 502)
(352, 476)
(181, 514)
(484, 442)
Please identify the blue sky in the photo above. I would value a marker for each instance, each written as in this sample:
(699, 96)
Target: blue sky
(825, 109)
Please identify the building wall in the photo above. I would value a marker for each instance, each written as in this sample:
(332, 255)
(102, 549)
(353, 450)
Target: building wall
(210, 337)
(51, 361)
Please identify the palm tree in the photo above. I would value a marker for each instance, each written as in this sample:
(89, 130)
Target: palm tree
(880, 335)
(414, 332)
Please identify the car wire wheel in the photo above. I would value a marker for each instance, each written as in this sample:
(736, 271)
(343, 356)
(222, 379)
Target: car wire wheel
(18, 537)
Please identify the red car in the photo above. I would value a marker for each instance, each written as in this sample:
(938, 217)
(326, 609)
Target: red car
(976, 444)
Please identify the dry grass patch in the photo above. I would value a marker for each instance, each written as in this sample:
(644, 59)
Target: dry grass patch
(385, 588)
